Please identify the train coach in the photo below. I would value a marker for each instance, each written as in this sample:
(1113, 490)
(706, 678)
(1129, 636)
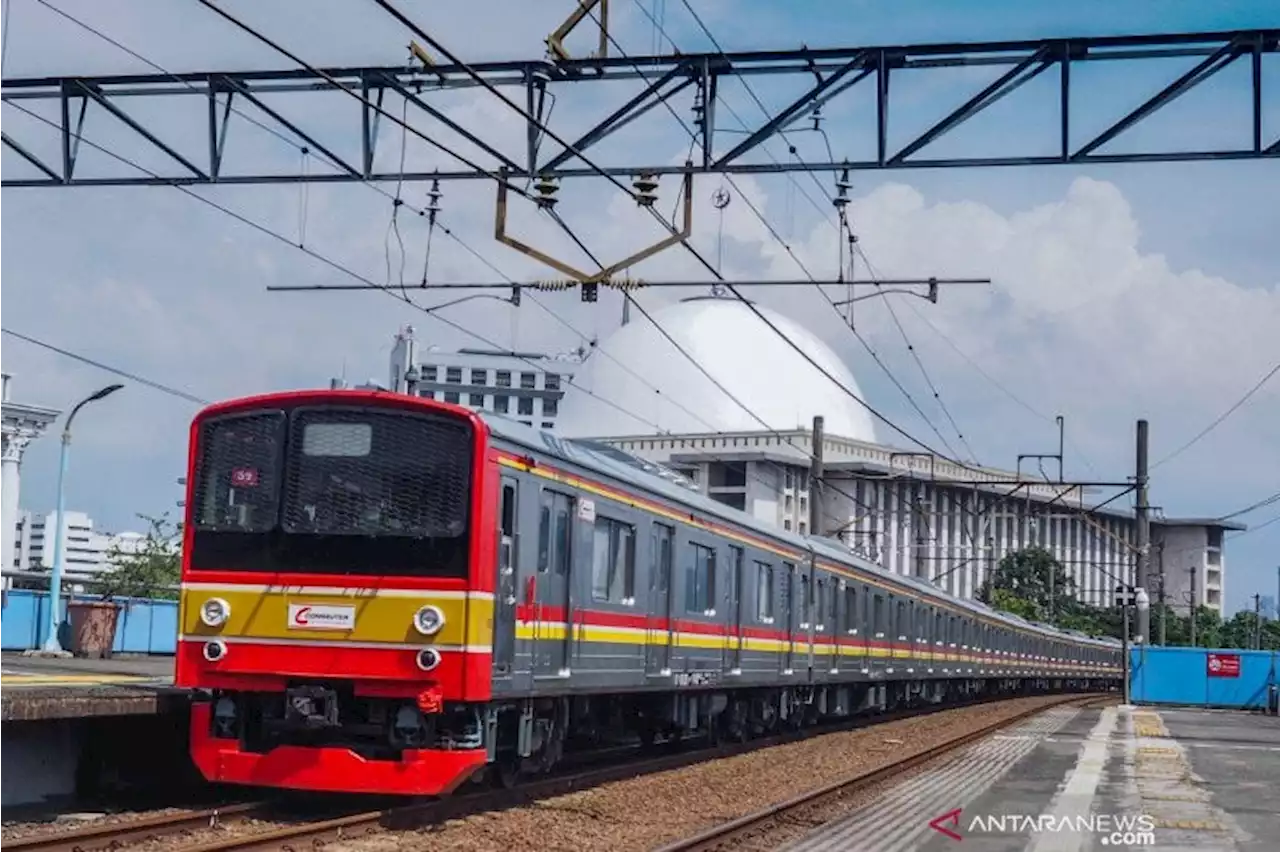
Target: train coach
(388, 594)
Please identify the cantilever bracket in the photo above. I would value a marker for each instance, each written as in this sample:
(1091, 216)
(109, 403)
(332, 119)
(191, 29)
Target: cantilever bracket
(555, 41)
(500, 234)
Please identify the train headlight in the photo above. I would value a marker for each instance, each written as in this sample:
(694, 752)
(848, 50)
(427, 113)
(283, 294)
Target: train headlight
(428, 659)
(428, 620)
(215, 612)
(215, 650)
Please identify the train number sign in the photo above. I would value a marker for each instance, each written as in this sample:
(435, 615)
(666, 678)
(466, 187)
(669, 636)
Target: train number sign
(1223, 665)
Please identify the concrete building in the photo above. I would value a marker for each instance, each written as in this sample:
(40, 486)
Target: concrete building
(504, 382)
(912, 513)
(22, 425)
(87, 550)
(1189, 553)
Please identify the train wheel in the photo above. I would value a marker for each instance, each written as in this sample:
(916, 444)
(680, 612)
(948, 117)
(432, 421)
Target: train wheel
(505, 772)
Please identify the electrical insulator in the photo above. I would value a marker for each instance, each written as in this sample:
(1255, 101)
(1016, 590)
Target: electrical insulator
(433, 205)
(515, 295)
(842, 190)
(546, 187)
(645, 184)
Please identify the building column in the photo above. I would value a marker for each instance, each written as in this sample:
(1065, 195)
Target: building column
(10, 490)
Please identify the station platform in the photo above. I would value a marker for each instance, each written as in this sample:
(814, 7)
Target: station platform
(34, 688)
(1084, 780)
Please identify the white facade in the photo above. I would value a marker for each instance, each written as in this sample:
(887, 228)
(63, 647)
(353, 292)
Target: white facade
(22, 425)
(505, 383)
(86, 550)
(931, 519)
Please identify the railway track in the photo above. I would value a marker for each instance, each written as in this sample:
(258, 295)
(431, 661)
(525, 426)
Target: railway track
(752, 829)
(300, 831)
(110, 835)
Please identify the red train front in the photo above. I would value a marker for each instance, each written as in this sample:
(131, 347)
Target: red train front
(337, 602)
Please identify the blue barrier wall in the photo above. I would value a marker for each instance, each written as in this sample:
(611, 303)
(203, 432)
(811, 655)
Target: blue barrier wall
(1244, 679)
(144, 626)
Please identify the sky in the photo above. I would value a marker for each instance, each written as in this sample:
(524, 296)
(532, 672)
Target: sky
(1118, 292)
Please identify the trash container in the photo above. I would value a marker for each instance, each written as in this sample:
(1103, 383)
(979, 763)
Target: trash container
(93, 627)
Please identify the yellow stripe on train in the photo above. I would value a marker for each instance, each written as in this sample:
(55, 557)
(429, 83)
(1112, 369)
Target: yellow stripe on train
(334, 613)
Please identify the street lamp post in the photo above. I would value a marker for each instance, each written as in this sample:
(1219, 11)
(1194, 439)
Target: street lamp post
(51, 643)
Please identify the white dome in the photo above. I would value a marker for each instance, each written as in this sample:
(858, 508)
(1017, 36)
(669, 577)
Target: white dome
(755, 365)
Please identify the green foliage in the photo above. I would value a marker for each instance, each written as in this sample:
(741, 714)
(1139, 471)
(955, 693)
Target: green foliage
(156, 563)
(1031, 584)
(1020, 585)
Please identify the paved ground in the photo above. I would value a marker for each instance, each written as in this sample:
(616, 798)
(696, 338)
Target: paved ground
(1082, 781)
(19, 671)
(38, 688)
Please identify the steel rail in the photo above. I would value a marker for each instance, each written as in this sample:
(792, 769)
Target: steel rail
(314, 834)
(728, 833)
(115, 834)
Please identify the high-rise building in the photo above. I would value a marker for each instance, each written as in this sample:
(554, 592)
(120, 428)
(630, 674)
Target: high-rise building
(525, 386)
(87, 551)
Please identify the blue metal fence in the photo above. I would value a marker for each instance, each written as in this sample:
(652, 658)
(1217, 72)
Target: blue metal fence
(1204, 677)
(144, 626)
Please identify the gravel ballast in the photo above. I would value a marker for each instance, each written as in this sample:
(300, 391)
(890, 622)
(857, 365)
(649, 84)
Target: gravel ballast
(649, 811)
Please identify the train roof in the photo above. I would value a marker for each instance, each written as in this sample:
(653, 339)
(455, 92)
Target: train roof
(665, 483)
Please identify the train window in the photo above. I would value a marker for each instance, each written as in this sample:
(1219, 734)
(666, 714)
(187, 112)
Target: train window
(820, 611)
(902, 626)
(832, 606)
(764, 592)
(613, 561)
(554, 532)
(850, 609)
(805, 599)
(660, 558)
(700, 580)
(508, 509)
(877, 615)
(937, 627)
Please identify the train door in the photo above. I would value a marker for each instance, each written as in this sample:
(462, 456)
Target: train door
(790, 615)
(733, 609)
(553, 628)
(659, 630)
(504, 622)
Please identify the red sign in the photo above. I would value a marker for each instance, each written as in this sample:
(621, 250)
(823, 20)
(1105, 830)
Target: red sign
(1223, 665)
(244, 477)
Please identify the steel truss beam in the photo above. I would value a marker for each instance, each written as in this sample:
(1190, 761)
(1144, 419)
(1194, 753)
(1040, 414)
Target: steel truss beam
(837, 71)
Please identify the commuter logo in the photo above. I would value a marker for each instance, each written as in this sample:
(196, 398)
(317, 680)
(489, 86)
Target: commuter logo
(316, 617)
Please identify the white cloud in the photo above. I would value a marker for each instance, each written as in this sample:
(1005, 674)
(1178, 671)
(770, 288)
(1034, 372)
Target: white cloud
(1083, 316)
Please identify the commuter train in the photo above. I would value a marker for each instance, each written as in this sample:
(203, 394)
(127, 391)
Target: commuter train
(389, 594)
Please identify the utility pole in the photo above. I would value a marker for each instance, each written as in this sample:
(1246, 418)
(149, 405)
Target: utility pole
(1142, 506)
(1257, 621)
(1164, 615)
(1194, 608)
(1126, 601)
(816, 472)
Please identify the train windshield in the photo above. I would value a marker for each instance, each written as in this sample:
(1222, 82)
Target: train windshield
(338, 489)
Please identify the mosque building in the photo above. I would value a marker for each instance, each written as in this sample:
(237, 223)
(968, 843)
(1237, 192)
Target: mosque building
(746, 440)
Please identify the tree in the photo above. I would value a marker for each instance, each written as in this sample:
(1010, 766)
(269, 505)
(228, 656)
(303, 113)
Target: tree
(155, 563)
(1032, 584)
(1025, 575)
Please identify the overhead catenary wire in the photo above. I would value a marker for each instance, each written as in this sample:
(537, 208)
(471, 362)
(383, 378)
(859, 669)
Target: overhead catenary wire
(772, 326)
(396, 198)
(133, 377)
(844, 225)
(1220, 418)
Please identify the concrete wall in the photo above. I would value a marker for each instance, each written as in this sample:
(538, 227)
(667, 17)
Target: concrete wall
(144, 626)
(1184, 676)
